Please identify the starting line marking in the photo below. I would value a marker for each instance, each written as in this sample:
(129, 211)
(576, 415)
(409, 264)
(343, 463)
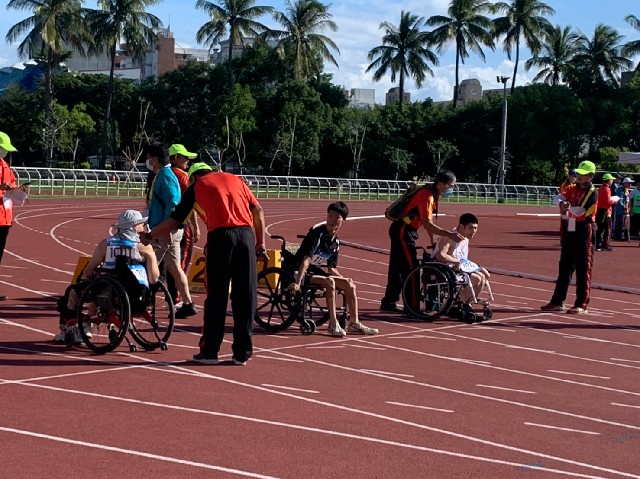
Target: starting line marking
(280, 359)
(577, 374)
(506, 389)
(546, 426)
(625, 360)
(388, 373)
(418, 407)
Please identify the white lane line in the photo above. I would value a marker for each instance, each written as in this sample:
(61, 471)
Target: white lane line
(279, 359)
(506, 389)
(366, 347)
(420, 336)
(625, 360)
(546, 426)
(325, 347)
(388, 373)
(13, 267)
(287, 388)
(489, 328)
(129, 452)
(6, 276)
(393, 403)
(625, 405)
(54, 281)
(578, 374)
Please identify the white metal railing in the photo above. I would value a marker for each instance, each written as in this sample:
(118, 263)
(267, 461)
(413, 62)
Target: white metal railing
(68, 182)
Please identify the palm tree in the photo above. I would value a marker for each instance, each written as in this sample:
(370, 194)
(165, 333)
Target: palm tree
(632, 48)
(299, 42)
(557, 48)
(116, 21)
(599, 60)
(54, 24)
(523, 18)
(404, 51)
(467, 27)
(238, 15)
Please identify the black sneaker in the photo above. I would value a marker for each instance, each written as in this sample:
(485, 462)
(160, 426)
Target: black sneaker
(389, 308)
(205, 359)
(186, 310)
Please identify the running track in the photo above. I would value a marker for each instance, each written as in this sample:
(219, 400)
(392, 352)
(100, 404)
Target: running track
(528, 394)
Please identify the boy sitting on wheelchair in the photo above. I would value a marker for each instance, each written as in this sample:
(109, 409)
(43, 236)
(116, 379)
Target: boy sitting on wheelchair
(320, 248)
(124, 242)
(456, 255)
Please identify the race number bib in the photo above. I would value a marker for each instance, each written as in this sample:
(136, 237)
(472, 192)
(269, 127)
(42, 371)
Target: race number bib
(140, 272)
(320, 258)
(469, 266)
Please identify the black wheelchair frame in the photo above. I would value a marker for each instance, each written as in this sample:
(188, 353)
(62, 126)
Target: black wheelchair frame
(278, 308)
(114, 303)
(436, 289)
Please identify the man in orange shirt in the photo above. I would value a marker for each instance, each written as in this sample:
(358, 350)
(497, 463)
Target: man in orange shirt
(179, 158)
(403, 257)
(578, 230)
(232, 212)
(7, 182)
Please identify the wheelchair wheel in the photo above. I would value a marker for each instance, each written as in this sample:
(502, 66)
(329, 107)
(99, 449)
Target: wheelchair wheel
(152, 326)
(429, 291)
(277, 308)
(307, 327)
(103, 314)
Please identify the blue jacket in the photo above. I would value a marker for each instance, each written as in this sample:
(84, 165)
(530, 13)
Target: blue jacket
(165, 195)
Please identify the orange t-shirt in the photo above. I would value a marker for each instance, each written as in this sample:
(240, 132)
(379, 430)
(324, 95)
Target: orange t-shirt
(6, 176)
(183, 178)
(420, 208)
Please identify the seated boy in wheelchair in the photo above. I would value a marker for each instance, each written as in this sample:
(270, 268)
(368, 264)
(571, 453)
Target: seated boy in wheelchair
(456, 255)
(140, 263)
(320, 248)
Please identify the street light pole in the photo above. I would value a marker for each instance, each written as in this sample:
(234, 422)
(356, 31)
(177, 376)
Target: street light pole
(503, 142)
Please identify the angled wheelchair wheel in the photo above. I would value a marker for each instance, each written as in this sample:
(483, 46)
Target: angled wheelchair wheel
(429, 291)
(277, 308)
(307, 327)
(152, 323)
(103, 314)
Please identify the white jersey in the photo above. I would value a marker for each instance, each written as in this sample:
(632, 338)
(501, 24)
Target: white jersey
(120, 247)
(460, 250)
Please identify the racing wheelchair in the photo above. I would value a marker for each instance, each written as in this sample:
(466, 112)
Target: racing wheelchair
(278, 308)
(116, 302)
(436, 290)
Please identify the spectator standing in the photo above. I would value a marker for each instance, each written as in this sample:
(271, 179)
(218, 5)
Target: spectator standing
(232, 212)
(164, 195)
(7, 182)
(622, 211)
(603, 214)
(403, 258)
(634, 199)
(578, 230)
(568, 183)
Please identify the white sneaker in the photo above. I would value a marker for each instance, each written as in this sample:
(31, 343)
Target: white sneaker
(337, 331)
(61, 336)
(361, 329)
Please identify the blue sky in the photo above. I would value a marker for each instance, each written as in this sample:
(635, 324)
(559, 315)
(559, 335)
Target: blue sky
(358, 22)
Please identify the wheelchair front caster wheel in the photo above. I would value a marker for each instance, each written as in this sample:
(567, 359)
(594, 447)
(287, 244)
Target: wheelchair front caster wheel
(164, 346)
(307, 327)
(133, 348)
(487, 314)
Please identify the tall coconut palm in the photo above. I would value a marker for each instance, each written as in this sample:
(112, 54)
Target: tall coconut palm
(121, 21)
(404, 51)
(238, 15)
(599, 59)
(300, 42)
(53, 25)
(523, 20)
(557, 48)
(467, 27)
(632, 48)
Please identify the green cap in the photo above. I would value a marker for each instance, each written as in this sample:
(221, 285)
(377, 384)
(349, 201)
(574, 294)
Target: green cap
(586, 168)
(608, 176)
(197, 167)
(178, 149)
(5, 142)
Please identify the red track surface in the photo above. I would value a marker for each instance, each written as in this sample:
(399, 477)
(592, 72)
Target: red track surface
(528, 394)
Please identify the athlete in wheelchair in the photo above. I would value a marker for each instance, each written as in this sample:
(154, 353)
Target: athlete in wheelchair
(117, 292)
(447, 281)
(303, 280)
